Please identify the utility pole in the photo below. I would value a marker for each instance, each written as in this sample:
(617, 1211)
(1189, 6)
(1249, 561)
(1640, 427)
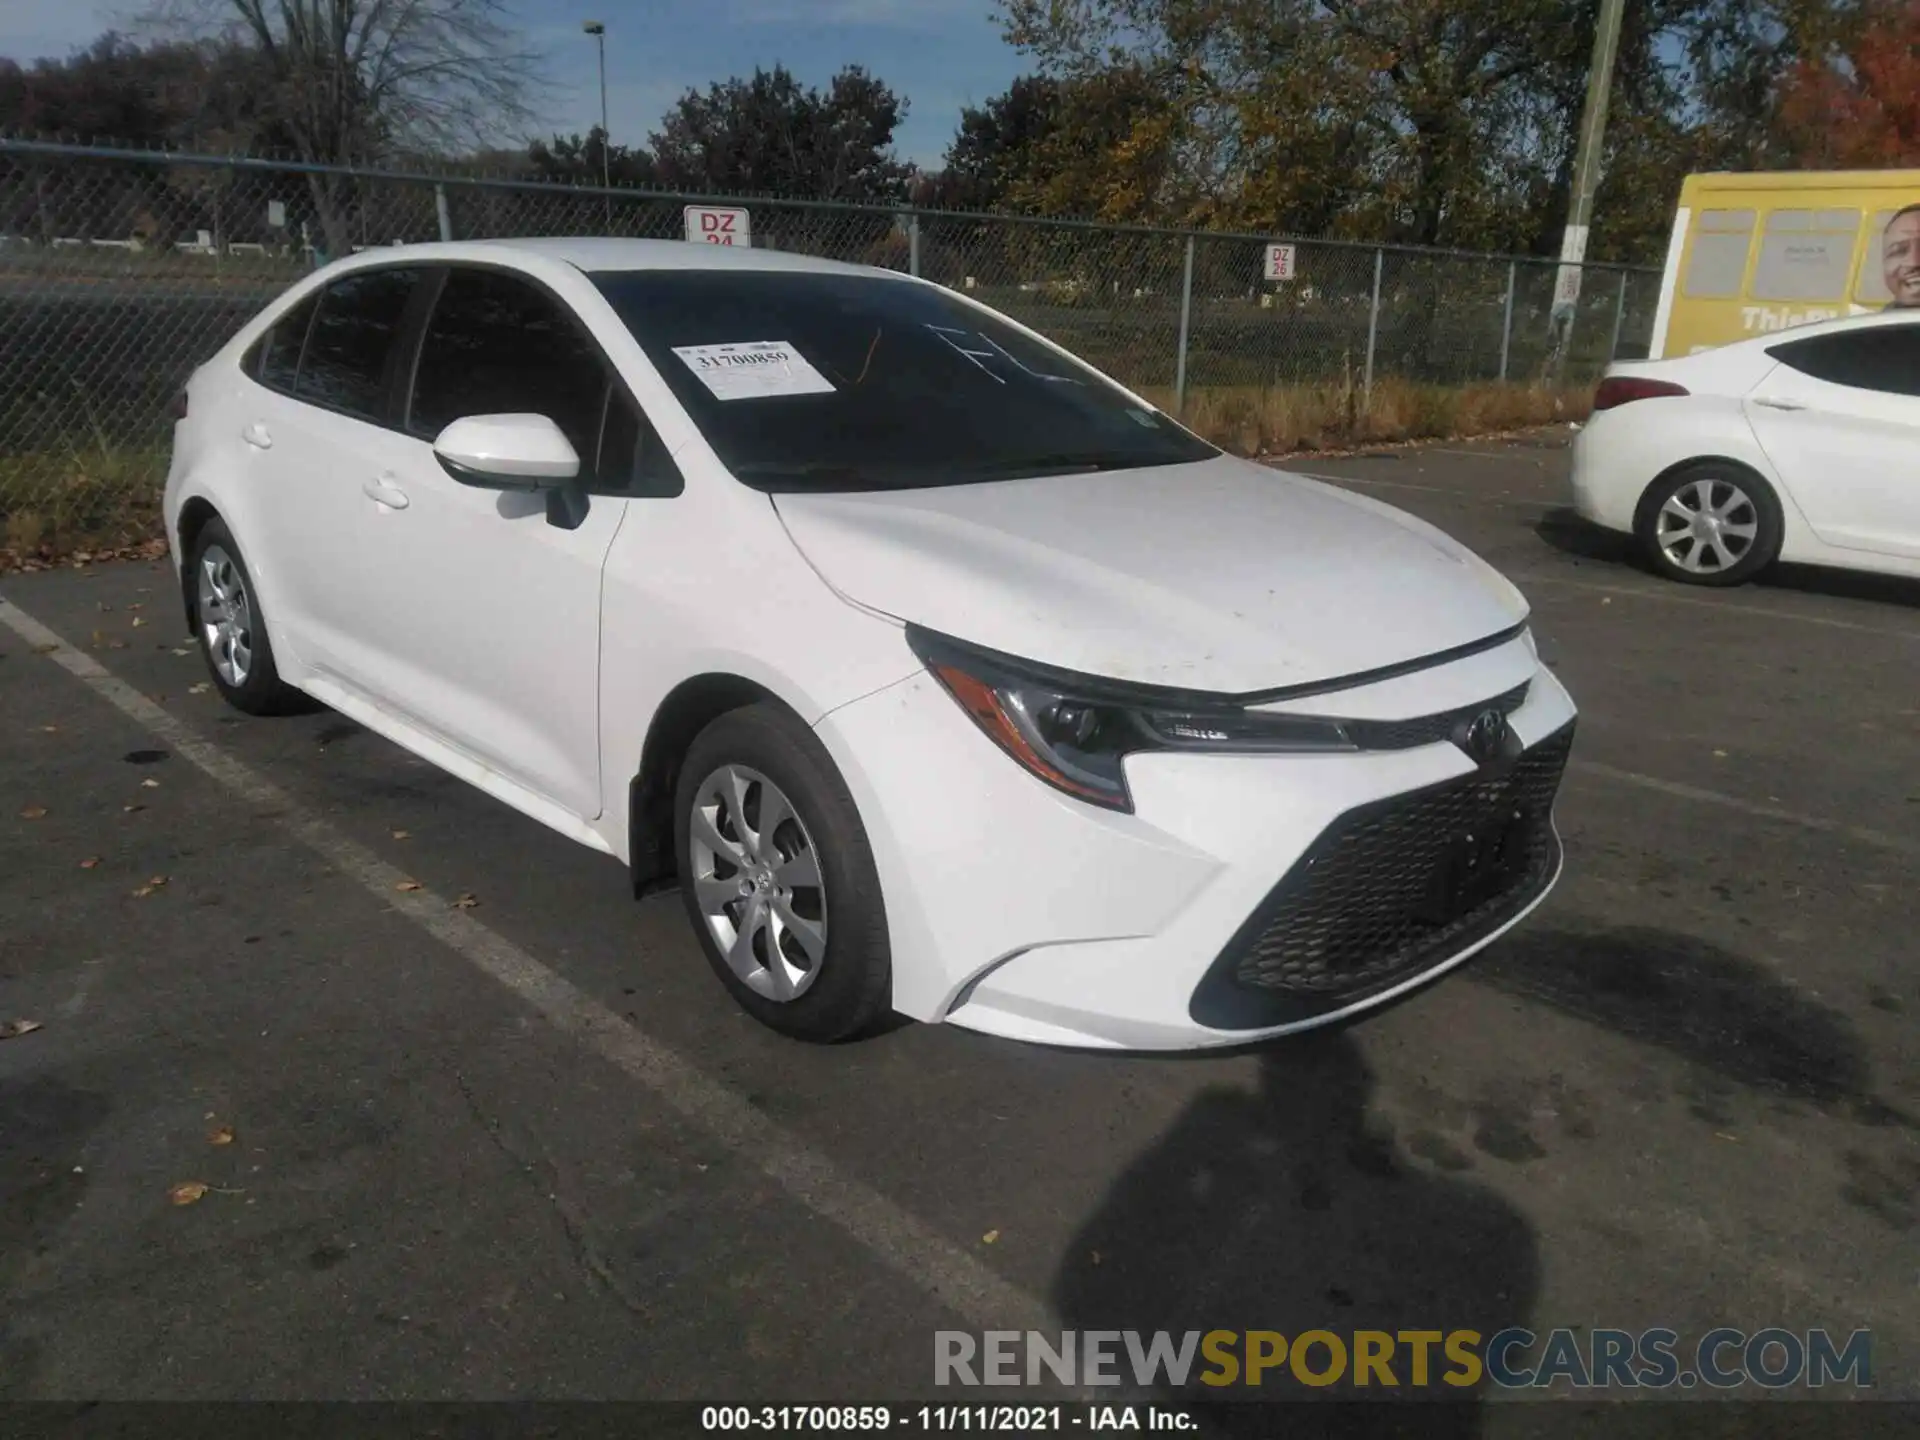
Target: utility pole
(1586, 173)
(599, 33)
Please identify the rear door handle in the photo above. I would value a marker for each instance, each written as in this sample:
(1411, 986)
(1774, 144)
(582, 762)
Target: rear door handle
(386, 493)
(258, 436)
(1773, 402)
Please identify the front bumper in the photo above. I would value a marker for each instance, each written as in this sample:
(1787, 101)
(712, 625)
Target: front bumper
(1247, 896)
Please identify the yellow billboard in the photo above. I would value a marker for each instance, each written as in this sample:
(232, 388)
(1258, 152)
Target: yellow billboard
(1752, 254)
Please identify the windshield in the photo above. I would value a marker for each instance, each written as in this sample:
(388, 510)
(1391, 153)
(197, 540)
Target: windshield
(809, 381)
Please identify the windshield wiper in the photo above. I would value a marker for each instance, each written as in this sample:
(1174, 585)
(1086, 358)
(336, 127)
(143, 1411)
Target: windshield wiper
(809, 472)
(1062, 462)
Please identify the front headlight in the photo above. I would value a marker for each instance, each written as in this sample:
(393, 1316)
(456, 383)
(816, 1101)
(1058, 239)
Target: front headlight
(1072, 731)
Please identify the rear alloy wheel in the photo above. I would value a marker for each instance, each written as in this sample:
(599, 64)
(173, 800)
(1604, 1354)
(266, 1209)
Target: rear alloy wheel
(228, 624)
(778, 878)
(1710, 524)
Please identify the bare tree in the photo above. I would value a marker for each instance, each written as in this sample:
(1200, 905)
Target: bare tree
(356, 81)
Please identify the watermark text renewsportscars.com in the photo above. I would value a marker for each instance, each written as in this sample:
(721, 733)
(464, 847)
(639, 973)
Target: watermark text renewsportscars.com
(1378, 1360)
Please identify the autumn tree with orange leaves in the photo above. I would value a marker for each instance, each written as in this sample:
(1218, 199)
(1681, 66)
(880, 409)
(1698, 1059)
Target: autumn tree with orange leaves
(1857, 106)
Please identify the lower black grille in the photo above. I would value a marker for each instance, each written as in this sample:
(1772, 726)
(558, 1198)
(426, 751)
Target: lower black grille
(1392, 888)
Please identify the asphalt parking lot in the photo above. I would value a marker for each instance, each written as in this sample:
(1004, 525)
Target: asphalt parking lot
(500, 1134)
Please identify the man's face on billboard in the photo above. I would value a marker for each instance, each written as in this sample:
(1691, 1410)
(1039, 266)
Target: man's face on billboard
(1900, 259)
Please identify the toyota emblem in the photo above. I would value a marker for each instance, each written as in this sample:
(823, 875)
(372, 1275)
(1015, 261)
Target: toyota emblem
(1484, 736)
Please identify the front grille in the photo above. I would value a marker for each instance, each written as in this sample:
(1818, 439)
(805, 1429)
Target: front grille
(1392, 888)
(1429, 729)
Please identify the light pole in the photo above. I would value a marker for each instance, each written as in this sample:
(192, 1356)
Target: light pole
(599, 33)
(1586, 175)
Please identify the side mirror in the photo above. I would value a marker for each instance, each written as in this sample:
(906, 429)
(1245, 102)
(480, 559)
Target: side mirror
(507, 452)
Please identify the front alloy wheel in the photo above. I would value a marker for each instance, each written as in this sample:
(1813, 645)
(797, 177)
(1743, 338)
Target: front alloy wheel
(756, 878)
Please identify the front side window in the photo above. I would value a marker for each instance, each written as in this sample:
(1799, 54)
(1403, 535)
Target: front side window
(816, 381)
(497, 344)
(351, 342)
(1880, 357)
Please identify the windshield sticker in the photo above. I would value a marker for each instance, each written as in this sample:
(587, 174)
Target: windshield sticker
(753, 369)
(991, 357)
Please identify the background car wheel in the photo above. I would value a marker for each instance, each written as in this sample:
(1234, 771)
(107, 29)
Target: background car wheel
(231, 630)
(1710, 523)
(778, 877)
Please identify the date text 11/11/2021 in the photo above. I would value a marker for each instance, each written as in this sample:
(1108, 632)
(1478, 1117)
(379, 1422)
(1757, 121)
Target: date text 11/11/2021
(945, 1418)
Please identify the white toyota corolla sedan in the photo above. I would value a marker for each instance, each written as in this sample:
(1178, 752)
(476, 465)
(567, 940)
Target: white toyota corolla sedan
(939, 672)
(1798, 445)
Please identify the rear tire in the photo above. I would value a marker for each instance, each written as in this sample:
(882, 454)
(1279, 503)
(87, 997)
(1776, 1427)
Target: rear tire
(778, 877)
(231, 628)
(1711, 522)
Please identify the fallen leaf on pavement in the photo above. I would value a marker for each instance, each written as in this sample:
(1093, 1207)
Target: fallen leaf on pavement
(50, 729)
(137, 620)
(403, 835)
(1096, 1257)
(220, 1135)
(34, 812)
(150, 784)
(408, 885)
(143, 892)
(187, 1191)
(13, 1029)
(990, 1237)
(90, 862)
(157, 881)
(129, 809)
(180, 650)
(1720, 754)
(466, 902)
(45, 649)
(199, 689)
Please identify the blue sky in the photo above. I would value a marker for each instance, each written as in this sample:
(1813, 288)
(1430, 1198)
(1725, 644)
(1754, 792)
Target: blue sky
(939, 54)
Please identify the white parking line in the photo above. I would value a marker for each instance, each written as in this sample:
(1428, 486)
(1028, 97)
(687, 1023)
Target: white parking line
(1448, 491)
(895, 1237)
(1865, 835)
(1768, 612)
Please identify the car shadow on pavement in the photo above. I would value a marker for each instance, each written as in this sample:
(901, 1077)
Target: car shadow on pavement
(1737, 1022)
(1566, 532)
(1291, 1209)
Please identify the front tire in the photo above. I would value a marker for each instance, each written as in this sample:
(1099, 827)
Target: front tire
(231, 628)
(1709, 523)
(778, 877)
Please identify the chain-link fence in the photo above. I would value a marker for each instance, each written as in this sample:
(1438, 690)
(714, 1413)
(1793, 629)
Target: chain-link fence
(120, 271)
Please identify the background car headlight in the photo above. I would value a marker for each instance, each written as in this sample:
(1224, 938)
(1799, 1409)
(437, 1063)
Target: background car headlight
(1073, 731)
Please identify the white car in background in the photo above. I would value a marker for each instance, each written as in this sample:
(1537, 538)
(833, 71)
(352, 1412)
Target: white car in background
(1802, 445)
(941, 672)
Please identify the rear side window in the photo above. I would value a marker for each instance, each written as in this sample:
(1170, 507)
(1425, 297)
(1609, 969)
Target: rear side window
(351, 342)
(497, 344)
(1881, 357)
(276, 355)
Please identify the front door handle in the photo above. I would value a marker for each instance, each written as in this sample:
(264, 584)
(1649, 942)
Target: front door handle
(258, 436)
(1775, 402)
(385, 492)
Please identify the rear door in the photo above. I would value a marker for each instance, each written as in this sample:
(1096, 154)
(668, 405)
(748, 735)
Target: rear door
(1839, 417)
(308, 425)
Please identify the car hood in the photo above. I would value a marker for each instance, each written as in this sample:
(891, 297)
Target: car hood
(1221, 575)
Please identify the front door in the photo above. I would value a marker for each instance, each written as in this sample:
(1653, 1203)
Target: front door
(487, 616)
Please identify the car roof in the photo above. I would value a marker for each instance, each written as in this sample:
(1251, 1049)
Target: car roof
(1828, 327)
(602, 253)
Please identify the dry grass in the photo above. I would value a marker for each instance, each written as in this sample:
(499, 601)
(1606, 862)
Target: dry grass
(1252, 421)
